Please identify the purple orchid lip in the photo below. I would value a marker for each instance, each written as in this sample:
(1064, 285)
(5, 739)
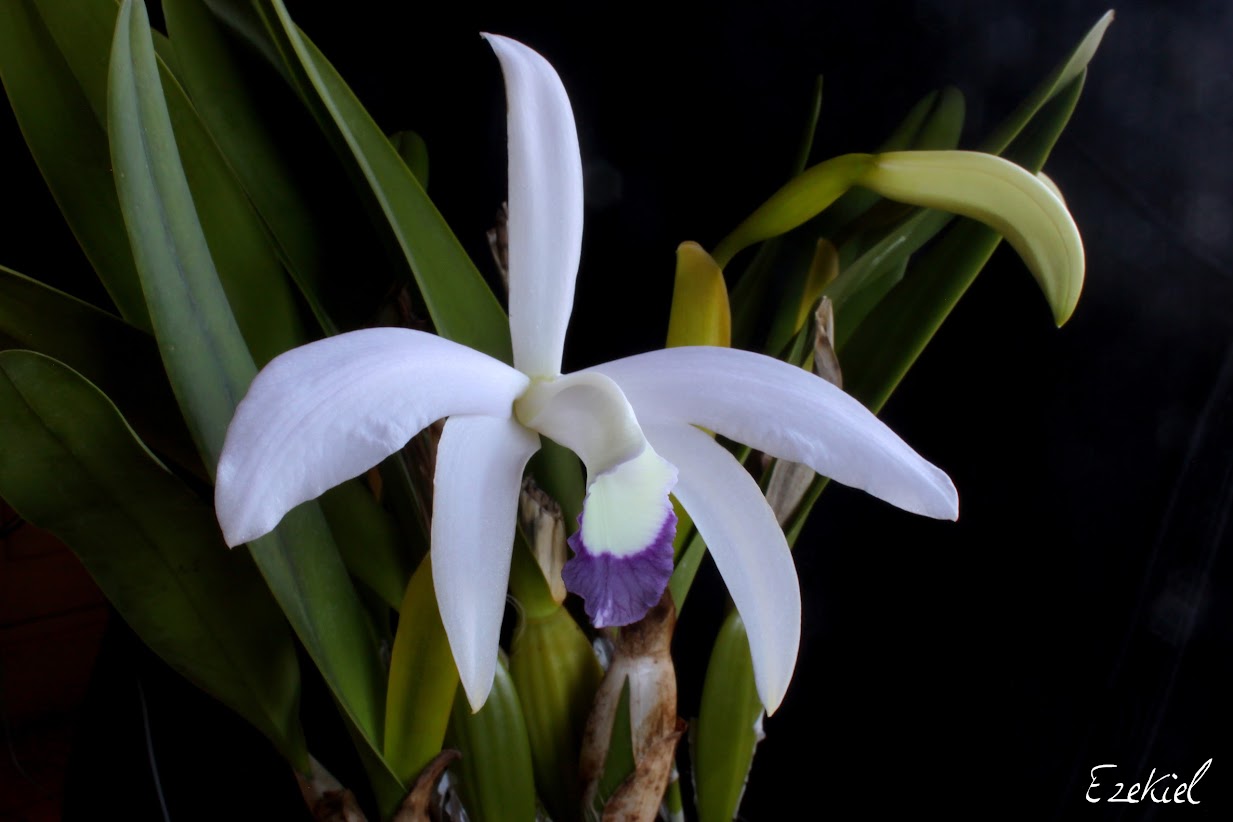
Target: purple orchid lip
(619, 590)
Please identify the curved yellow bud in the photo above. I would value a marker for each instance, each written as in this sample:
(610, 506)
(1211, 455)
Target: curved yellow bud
(1000, 194)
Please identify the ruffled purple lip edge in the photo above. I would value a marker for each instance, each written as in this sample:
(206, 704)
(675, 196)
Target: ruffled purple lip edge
(620, 590)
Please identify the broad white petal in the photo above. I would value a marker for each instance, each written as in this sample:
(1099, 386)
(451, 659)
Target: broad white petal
(786, 412)
(545, 207)
(474, 509)
(748, 547)
(330, 410)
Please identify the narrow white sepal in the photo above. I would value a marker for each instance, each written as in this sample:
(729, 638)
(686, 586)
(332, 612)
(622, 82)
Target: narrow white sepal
(480, 461)
(545, 207)
(325, 412)
(748, 547)
(786, 412)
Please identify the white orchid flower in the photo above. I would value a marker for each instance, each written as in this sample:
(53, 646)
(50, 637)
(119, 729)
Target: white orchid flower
(328, 411)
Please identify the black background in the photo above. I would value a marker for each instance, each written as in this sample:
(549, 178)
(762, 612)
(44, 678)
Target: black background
(1079, 612)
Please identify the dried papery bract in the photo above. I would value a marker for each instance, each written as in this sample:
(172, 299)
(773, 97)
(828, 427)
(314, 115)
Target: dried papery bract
(642, 658)
(327, 799)
(790, 481)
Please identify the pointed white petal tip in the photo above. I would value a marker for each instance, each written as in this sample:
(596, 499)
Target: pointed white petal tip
(480, 461)
(748, 547)
(786, 412)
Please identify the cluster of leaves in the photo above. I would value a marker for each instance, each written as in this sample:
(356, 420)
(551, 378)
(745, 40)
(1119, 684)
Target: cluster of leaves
(823, 241)
(211, 245)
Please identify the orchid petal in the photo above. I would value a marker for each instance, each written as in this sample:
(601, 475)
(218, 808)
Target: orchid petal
(545, 207)
(623, 546)
(480, 461)
(330, 410)
(588, 414)
(786, 412)
(748, 546)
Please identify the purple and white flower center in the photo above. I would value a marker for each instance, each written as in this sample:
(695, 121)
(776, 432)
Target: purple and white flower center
(623, 547)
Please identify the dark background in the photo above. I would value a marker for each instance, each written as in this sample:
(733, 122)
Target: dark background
(1079, 612)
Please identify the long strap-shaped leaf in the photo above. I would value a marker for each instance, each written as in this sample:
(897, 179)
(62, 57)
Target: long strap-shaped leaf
(263, 147)
(461, 304)
(69, 144)
(1058, 80)
(252, 275)
(210, 368)
(72, 465)
(109, 352)
(728, 726)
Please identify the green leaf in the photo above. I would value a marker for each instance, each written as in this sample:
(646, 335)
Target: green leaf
(423, 681)
(811, 129)
(1058, 80)
(751, 287)
(944, 125)
(203, 350)
(104, 349)
(69, 143)
(409, 507)
(559, 473)
(242, 18)
(71, 464)
(728, 726)
(388, 790)
(904, 135)
(461, 305)
(414, 152)
(494, 776)
(884, 273)
(368, 540)
(687, 565)
(250, 270)
(231, 108)
(210, 369)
